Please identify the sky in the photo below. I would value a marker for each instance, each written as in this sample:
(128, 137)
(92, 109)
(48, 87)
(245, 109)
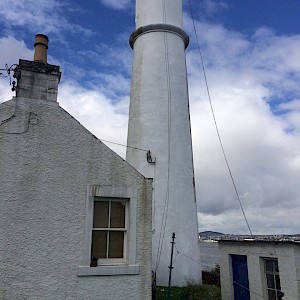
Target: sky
(251, 54)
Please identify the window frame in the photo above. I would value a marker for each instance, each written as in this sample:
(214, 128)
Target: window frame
(114, 261)
(273, 273)
(111, 266)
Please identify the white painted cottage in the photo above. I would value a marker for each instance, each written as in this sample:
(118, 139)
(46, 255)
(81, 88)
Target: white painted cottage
(256, 270)
(75, 218)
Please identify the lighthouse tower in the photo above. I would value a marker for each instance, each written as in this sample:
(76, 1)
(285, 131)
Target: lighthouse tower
(159, 121)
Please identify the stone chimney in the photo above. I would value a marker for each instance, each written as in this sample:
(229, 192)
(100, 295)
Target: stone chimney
(37, 79)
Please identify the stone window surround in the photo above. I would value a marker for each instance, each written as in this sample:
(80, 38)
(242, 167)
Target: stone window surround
(128, 268)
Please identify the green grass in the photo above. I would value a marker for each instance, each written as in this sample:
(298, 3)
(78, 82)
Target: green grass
(190, 292)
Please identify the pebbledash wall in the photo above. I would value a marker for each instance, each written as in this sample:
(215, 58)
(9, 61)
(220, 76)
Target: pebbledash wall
(49, 165)
(286, 253)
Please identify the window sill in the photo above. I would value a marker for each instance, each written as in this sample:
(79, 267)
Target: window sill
(108, 270)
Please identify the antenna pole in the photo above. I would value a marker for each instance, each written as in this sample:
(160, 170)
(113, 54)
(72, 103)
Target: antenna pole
(171, 266)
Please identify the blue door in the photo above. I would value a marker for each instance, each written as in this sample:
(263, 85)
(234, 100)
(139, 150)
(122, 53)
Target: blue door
(240, 277)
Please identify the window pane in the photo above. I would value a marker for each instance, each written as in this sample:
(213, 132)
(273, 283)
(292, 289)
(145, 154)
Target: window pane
(269, 266)
(117, 214)
(116, 244)
(101, 214)
(99, 244)
(271, 295)
(276, 266)
(270, 281)
(277, 280)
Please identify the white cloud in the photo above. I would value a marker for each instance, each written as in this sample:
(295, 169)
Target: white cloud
(43, 16)
(5, 90)
(117, 4)
(206, 8)
(212, 7)
(11, 51)
(104, 118)
(247, 77)
(292, 105)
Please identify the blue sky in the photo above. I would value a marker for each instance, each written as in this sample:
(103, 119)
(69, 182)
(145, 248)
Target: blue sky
(247, 16)
(252, 58)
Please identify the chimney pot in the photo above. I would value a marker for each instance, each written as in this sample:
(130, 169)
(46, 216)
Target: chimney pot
(41, 46)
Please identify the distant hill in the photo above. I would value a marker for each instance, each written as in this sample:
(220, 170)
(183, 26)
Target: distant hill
(210, 233)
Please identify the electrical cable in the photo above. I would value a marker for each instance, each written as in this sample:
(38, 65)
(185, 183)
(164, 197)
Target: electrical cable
(123, 145)
(194, 260)
(12, 116)
(214, 118)
(25, 130)
(251, 291)
(166, 204)
(153, 197)
(173, 262)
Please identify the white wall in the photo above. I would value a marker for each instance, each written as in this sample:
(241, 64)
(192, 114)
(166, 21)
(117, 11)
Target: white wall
(256, 251)
(152, 12)
(297, 264)
(44, 175)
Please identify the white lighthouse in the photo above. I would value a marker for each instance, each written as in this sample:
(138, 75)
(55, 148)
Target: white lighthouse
(159, 121)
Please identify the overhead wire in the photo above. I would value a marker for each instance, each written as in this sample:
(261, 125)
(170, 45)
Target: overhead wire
(214, 118)
(154, 201)
(26, 111)
(248, 289)
(182, 253)
(140, 149)
(174, 259)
